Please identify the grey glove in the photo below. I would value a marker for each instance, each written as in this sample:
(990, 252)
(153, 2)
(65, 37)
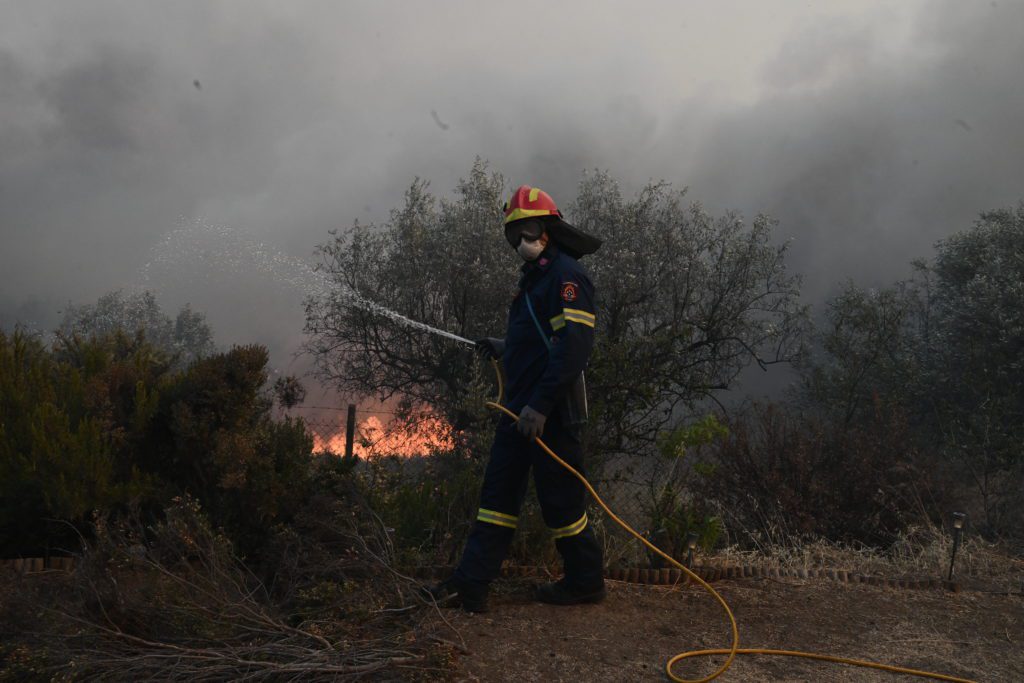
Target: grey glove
(531, 423)
(490, 347)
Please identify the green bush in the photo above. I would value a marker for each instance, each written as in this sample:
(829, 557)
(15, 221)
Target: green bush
(104, 423)
(428, 503)
(212, 436)
(66, 435)
(677, 506)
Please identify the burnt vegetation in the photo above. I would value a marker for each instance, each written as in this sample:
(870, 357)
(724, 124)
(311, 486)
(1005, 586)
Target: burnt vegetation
(208, 533)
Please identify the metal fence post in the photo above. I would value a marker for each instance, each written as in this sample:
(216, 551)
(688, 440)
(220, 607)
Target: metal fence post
(350, 430)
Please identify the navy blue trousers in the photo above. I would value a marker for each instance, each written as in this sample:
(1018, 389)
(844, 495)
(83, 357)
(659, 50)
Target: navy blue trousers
(562, 500)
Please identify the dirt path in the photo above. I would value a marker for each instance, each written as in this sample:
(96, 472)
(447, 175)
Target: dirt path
(638, 628)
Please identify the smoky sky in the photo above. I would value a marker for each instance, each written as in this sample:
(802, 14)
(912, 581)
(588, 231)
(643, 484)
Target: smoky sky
(868, 129)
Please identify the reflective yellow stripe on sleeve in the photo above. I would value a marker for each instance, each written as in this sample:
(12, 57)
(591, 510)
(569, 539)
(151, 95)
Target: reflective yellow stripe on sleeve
(495, 517)
(571, 530)
(558, 322)
(577, 316)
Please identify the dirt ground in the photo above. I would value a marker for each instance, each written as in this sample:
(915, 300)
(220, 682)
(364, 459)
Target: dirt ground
(638, 628)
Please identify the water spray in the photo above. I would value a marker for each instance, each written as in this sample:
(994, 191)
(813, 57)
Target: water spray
(196, 242)
(374, 307)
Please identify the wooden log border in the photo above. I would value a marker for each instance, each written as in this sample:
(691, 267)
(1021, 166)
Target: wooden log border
(666, 576)
(34, 565)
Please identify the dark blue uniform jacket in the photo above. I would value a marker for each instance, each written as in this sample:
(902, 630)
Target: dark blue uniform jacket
(538, 374)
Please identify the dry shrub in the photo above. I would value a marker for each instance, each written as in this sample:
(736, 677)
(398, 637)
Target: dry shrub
(176, 603)
(780, 477)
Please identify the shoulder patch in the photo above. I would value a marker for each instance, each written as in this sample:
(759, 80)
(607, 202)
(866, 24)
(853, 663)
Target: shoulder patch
(570, 290)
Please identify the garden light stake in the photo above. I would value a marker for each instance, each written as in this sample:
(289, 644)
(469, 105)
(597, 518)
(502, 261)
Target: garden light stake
(958, 533)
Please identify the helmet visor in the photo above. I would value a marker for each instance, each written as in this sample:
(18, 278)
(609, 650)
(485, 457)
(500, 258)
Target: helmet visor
(529, 229)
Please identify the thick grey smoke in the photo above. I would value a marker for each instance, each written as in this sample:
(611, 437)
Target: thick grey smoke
(868, 155)
(869, 130)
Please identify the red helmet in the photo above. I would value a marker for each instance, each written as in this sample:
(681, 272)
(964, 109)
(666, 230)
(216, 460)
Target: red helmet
(529, 202)
(533, 202)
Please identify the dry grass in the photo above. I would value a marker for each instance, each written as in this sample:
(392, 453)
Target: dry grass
(919, 552)
(922, 552)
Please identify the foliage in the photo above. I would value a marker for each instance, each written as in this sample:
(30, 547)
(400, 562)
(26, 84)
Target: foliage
(975, 372)
(289, 391)
(68, 421)
(684, 302)
(427, 503)
(673, 519)
(184, 338)
(426, 506)
(212, 436)
(677, 505)
(441, 263)
(780, 477)
(105, 423)
(867, 353)
(946, 347)
(674, 444)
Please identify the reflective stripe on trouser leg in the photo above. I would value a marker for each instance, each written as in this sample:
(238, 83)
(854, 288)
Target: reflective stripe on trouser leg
(563, 502)
(570, 529)
(495, 517)
(501, 495)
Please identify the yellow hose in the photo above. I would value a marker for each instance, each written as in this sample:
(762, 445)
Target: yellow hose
(734, 649)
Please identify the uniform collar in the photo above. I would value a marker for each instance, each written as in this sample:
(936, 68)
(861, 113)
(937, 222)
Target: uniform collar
(533, 270)
(542, 262)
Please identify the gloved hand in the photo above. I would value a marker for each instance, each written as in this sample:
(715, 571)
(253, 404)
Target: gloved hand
(531, 423)
(490, 347)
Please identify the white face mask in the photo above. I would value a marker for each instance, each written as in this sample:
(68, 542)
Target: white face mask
(529, 251)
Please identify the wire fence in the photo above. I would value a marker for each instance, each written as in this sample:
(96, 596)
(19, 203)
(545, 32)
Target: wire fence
(328, 436)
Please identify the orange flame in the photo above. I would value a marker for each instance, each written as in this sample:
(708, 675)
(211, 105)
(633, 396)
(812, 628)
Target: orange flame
(374, 438)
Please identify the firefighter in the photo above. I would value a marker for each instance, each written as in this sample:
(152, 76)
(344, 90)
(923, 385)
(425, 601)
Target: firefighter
(546, 346)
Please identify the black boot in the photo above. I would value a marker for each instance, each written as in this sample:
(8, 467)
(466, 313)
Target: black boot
(454, 592)
(562, 592)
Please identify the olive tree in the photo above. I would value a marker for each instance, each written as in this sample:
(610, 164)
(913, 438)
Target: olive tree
(186, 337)
(946, 348)
(868, 350)
(975, 373)
(443, 263)
(685, 301)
